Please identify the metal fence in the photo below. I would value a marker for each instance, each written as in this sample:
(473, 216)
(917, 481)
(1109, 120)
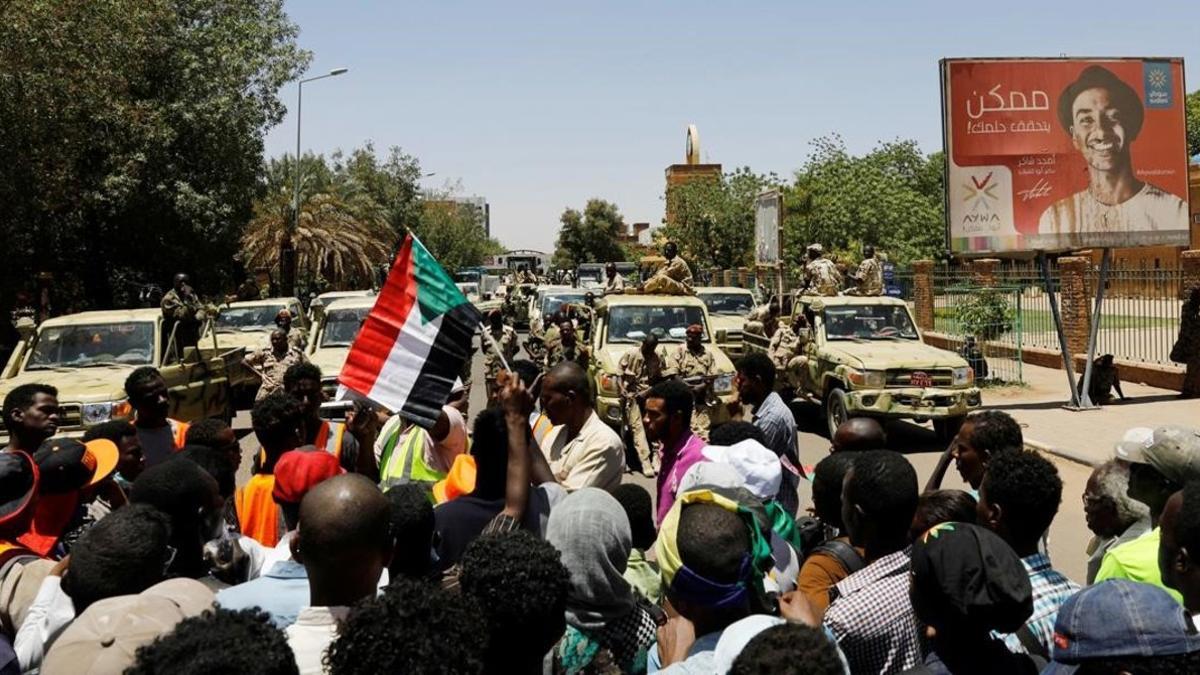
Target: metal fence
(1139, 320)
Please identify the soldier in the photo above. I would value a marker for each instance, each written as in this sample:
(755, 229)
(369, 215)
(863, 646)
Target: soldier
(181, 307)
(297, 336)
(615, 283)
(821, 276)
(566, 348)
(1186, 349)
(641, 369)
(674, 278)
(272, 362)
(1105, 378)
(527, 277)
(498, 340)
(869, 277)
(785, 344)
(248, 290)
(696, 366)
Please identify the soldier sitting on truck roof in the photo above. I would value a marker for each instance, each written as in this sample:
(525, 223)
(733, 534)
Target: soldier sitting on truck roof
(821, 276)
(674, 278)
(869, 277)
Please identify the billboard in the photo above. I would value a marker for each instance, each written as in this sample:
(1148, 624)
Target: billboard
(1059, 154)
(768, 219)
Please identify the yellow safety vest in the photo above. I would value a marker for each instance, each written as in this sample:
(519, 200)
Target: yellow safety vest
(406, 464)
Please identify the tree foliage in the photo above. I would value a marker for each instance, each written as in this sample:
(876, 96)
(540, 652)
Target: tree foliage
(132, 132)
(590, 236)
(454, 233)
(1193, 123)
(713, 220)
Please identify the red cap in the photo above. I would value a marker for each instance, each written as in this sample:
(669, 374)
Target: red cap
(299, 471)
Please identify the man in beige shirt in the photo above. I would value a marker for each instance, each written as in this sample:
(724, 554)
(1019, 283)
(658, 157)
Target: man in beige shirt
(582, 450)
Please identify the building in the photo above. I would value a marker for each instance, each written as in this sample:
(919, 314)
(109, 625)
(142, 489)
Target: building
(692, 169)
(480, 204)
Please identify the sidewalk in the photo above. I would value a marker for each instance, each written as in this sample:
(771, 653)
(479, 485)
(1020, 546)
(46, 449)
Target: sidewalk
(1088, 436)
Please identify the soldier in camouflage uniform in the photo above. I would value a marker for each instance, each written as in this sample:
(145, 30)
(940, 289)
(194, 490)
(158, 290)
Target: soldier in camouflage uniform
(641, 369)
(674, 278)
(787, 350)
(566, 348)
(697, 367)
(821, 276)
(499, 340)
(181, 307)
(869, 276)
(297, 336)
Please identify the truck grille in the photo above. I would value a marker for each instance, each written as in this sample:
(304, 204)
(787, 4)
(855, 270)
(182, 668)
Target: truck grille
(69, 417)
(942, 377)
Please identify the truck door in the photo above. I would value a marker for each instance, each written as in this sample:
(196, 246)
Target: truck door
(197, 383)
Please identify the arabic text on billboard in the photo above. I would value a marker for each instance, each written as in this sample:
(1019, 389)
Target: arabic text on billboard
(766, 228)
(1057, 154)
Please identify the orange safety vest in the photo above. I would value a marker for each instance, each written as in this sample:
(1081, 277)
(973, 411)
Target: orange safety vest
(179, 432)
(540, 427)
(257, 511)
(331, 442)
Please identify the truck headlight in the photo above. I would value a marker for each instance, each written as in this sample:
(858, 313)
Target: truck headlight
(608, 384)
(875, 379)
(723, 384)
(96, 413)
(963, 376)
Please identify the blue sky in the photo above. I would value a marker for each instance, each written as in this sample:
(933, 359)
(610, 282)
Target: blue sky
(540, 106)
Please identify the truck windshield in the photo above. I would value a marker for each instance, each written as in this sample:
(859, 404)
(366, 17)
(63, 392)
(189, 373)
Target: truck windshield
(728, 304)
(631, 324)
(256, 318)
(342, 326)
(551, 303)
(97, 344)
(868, 322)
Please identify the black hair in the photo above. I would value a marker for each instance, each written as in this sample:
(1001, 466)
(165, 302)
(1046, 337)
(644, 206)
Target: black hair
(884, 486)
(21, 397)
(1027, 488)
(732, 433)
(639, 508)
(526, 370)
(489, 447)
(275, 417)
(412, 525)
(218, 641)
(678, 398)
(112, 430)
(521, 585)
(205, 432)
(300, 371)
(180, 489)
(123, 553)
(758, 365)
(712, 542)
(1187, 525)
(788, 649)
(942, 506)
(215, 462)
(1173, 664)
(408, 630)
(828, 476)
(995, 431)
(1123, 95)
(139, 378)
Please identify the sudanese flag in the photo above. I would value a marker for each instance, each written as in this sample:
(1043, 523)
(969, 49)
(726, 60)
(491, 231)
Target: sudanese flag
(414, 343)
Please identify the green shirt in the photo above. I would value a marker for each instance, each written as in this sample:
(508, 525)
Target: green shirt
(1136, 560)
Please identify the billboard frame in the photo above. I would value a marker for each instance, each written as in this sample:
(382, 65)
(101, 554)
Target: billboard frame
(776, 197)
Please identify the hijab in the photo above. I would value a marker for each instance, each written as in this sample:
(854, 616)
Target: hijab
(592, 532)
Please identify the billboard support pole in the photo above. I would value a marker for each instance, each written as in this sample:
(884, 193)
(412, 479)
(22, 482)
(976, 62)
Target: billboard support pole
(1058, 327)
(1085, 400)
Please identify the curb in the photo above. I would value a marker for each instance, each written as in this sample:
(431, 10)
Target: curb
(1060, 452)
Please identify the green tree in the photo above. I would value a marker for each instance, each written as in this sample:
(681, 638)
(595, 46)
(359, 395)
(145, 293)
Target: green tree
(1193, 123)
(392, 182)
(713, 220)
(591, 236)
(454, 233)
(133, 135)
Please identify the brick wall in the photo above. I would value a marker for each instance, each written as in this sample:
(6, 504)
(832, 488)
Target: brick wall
(1075, 302)
(923, 293)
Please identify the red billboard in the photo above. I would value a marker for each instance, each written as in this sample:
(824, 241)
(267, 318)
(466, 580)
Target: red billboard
(1060, 154)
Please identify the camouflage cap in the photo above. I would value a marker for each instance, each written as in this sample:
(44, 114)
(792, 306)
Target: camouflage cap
(816, 248)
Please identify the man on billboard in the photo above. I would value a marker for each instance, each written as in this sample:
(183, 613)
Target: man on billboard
(1103, 116)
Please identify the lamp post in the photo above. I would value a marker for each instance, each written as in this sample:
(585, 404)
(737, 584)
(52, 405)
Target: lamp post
(287, 254)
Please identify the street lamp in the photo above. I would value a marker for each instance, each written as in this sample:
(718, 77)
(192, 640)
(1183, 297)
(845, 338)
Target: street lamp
(287, 267)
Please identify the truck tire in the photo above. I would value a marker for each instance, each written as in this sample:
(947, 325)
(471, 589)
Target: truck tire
(947, 428)
(837, 410)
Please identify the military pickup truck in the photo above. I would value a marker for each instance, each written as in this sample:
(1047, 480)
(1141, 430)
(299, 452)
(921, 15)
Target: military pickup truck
(249, 324)
(863, 356)
(87, 357)
(330, 343)
(727, 309)
(620, 323)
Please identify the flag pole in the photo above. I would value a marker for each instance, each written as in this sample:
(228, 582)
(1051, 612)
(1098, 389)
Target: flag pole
(495, 347)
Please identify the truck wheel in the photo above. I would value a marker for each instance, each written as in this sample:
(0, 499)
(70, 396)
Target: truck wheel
(948, 427)
(836, 410)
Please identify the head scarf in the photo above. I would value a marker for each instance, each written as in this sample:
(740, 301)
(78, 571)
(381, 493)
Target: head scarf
(592, 532)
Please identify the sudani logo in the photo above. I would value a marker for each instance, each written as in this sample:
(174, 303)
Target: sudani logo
(1157, 79)
(981, 193)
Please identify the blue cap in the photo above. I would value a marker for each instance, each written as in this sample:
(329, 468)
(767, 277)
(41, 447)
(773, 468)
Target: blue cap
(1120, 618)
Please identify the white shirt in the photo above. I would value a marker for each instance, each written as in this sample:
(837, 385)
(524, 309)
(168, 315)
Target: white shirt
(594, 458)
(311, 635)
(1149, 210)
(51, 612)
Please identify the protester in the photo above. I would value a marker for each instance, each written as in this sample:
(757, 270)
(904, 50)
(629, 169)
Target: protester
(942, 506)
(755, 385)
(189, 496)
(857, 434)
(69, 472)
(131, 461)
(218, 641)
(218, 435)
(1124, 628)
(302, 382)
(984, 435)
(344, 542)
(1111, 514)
(834, 558)
(160, 436)
(1160, 462)
(413, 627)
(1018, 500)
(31, 415)
(871, 616)
(641, 572)
(105, 636)
(732, 433)
(407, 453)
(21, 570)
(521, 586)
(967, 585)
(667, 421)
(1179, 543)
(271, 362)
(582, 450)
(789, 649)
(277, 421)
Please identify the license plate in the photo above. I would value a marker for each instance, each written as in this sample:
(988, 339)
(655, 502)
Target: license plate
(920, 379)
